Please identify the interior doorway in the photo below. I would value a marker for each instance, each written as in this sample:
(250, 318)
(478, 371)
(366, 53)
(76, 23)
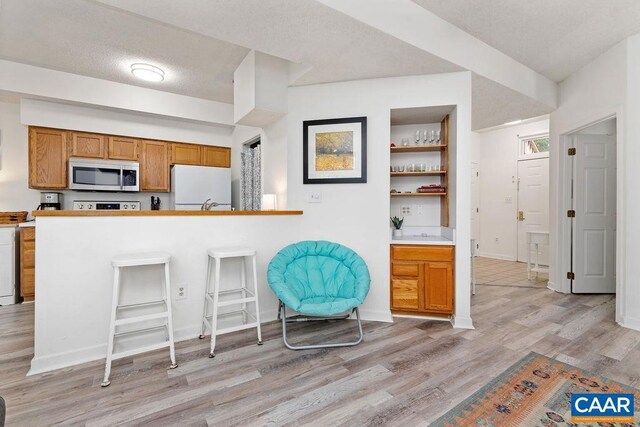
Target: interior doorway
(533, 207)
(593, 208)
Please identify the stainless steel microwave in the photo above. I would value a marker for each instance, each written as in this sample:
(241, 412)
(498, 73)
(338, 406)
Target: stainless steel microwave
(103, 175)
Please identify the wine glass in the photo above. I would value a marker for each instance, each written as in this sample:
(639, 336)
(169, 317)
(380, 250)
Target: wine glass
(417, 137)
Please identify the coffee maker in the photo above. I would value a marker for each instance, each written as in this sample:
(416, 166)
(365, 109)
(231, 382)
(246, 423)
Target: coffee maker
(50, 201)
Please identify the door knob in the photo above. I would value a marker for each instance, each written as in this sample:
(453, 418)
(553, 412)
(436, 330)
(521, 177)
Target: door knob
(520, 215)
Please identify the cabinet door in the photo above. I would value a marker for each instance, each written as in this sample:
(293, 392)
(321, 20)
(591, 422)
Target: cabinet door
(27, 263)
(216, 156)
(405, 293)
(47, 158)
(87, 145)
(438, 286)
(123, 148)
(185, 154)
(154, 165)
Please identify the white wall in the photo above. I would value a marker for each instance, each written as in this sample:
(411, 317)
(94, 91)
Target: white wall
(357, 215)
(15, 194)
(606, 87)
(498, 152)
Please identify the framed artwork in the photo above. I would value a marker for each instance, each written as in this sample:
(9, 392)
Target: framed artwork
(335, 151)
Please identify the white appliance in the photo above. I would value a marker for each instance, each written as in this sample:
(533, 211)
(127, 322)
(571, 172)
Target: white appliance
(8, 262)
(103, 175)
(192, 186)
(97, 205)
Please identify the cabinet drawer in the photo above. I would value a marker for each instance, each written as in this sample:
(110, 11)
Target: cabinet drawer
(422, 253)
(400, 269)
(28, 233)
(404, 293)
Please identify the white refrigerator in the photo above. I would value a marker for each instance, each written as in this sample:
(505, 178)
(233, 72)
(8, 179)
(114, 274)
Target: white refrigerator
(192, 186)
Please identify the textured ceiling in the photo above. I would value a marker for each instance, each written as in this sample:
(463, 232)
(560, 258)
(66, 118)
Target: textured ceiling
(554, 38)
(200, 43)
(84, 38)
(419, 115)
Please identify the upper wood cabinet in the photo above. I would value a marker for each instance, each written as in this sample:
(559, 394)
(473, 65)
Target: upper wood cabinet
(87, 145)
(422, 279)
(185, 154)
(216, 156)
(121, 148)
(50, 149)
(154, 166)
(47, 158)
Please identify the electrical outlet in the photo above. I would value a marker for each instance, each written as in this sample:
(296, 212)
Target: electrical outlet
(418, 210)
(497, 240)
(406, 210)
(508, 200)
(315, 197)
(181, 292)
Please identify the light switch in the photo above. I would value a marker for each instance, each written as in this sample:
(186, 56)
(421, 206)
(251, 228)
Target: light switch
(315, 197)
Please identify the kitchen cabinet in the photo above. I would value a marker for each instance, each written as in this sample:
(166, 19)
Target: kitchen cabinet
(422, 279)
(216, 156)
(47, 158)
(28, 263)
(185, 154)
(121, 148)
(91, 145)
(154, 166)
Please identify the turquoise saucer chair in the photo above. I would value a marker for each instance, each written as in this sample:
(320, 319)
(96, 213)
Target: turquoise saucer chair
(320, 280)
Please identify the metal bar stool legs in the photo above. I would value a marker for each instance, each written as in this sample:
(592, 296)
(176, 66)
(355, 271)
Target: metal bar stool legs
(136, 260)
(212, 295)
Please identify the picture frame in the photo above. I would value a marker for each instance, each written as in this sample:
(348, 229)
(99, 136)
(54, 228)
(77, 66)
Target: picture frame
(335, 151)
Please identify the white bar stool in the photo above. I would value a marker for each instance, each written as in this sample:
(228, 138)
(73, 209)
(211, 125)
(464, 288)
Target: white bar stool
(136, 260)
(246, 295)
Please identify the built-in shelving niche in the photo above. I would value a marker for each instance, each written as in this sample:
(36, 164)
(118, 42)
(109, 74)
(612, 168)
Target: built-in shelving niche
(426, 209)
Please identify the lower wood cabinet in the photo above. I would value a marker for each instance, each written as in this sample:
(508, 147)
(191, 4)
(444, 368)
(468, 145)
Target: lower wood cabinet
(28, 263)
(422, 279)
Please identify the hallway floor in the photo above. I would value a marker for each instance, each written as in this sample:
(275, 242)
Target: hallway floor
(497, 272)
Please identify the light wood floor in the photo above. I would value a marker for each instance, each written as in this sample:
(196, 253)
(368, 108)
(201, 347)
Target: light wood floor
(497, 272)
(406, 373)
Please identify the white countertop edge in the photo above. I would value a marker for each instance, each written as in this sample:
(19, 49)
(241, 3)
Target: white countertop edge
(27, 224)
(415, 240)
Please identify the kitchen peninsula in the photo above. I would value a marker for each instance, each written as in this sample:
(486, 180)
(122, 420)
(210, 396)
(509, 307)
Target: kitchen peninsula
(74, 275)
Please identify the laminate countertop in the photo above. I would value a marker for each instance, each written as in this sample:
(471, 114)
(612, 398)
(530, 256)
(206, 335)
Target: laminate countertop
(67, 213)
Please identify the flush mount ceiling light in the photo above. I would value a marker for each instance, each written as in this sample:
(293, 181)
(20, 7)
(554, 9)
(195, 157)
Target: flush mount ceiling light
(147, 72)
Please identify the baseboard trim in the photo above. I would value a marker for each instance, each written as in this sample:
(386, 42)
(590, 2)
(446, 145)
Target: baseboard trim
(630, 323)
(496, 256)
(377, 315)
(462, 322)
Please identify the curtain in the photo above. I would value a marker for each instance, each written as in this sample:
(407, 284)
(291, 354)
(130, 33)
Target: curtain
(251, 181)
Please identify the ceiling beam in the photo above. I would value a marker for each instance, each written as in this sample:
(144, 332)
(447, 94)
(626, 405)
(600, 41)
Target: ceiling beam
(43, 83)
(411, 23)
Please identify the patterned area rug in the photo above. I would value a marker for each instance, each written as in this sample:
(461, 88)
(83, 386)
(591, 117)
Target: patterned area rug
(536, 391)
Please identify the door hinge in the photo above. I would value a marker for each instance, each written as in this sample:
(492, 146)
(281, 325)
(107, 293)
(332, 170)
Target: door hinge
(571, 275)
(572, 151)
(571, 213)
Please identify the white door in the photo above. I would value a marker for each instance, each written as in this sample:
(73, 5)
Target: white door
(595, 222)
(475, 202)
(533, 204)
